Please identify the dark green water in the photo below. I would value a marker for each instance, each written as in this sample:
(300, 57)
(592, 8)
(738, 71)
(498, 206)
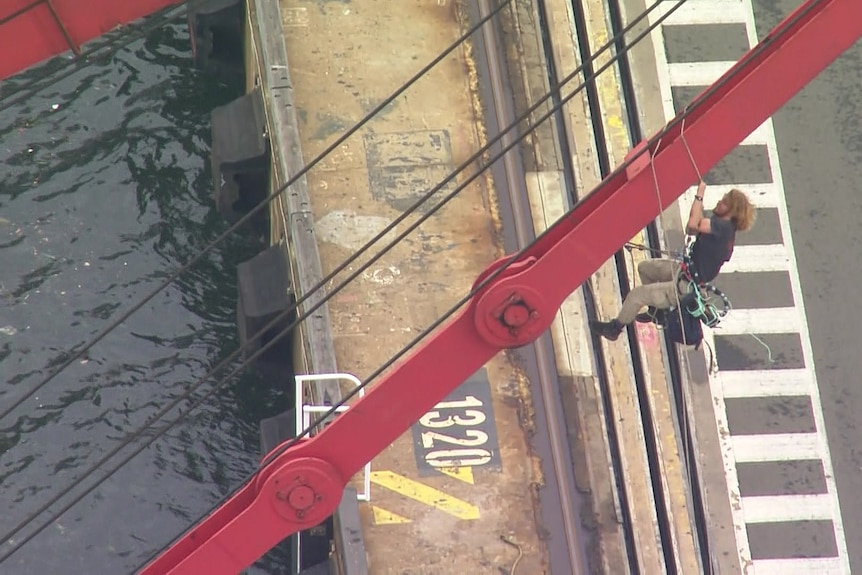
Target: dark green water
(105, 188)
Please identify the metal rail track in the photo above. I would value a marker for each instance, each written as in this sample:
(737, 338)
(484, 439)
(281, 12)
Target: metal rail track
(624, 75)
(674, 368)
(650, 441)
(601, 148)
(561, 501)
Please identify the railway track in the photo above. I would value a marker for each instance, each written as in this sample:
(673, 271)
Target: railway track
(563, 503)
(561, 507)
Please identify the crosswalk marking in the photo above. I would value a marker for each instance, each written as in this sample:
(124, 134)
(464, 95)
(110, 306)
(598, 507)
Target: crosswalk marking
(800, 566)
(697, 74)
(765, 383)
(787, 320)
(697, 12)
(762, 258)
(765, 195)
(776, 447)
(761, 136)
(778, 508)
(760, 321)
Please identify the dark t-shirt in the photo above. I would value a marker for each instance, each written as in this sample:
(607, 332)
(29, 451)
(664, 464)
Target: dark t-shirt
(711, 250)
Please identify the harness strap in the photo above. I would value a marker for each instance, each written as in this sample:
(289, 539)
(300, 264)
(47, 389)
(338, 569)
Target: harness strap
(700, 306)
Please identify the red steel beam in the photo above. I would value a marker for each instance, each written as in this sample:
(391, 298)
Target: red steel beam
(34, 30)
(303, 485)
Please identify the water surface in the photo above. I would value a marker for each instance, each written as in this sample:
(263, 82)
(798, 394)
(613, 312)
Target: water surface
(105, 189)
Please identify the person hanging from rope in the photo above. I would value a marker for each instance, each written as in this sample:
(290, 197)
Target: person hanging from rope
(665, 281)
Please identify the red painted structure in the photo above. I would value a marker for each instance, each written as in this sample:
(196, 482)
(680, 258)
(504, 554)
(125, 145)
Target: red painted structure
(34, 30)
(301, 487)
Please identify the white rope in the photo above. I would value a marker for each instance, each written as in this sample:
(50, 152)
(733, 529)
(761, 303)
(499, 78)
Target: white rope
(687, 149)
(684, 420)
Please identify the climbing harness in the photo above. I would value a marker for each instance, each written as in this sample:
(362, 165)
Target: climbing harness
(705, 296)
(707, 302)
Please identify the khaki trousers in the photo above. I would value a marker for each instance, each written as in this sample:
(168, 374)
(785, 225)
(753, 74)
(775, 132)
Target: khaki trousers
(659, 288)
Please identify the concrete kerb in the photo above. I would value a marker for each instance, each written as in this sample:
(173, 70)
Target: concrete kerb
(317, 349)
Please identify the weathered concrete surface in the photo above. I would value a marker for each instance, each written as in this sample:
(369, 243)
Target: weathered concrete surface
(345, 57)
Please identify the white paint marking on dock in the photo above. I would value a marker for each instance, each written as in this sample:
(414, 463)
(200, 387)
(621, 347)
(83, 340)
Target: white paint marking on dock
(758, 258)
(799, 566)
(699, 12)
(697, 74)
(764, 383)
(776, 447)
(781, 508)
(760, 321)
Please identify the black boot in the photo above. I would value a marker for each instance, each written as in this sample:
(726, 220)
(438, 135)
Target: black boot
(608, 329)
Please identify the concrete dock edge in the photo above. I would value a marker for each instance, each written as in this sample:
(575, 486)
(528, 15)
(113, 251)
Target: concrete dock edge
(315, 353)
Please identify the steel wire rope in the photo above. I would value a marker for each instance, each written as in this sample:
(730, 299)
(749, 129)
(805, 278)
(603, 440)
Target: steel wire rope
(89, 57)
(278, 451)
(76, 354)
(273, 323)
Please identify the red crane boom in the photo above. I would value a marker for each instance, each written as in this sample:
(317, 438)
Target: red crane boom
(34, 30)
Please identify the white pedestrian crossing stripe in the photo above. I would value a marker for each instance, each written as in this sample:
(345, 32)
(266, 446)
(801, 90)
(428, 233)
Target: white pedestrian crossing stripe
(765, 383)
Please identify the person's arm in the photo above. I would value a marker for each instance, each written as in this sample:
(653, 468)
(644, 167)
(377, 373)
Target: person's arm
(696, 222)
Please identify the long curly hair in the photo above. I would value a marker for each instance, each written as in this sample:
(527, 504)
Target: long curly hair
(740, 209)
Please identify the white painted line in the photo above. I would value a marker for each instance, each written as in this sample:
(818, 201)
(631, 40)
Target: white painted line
(776, 447)
(698, 74)
(696, 12)
(761, 195)
(761, 136)
(778, 508)
(765, 383)
(760, 321)
(726, 445)
(806, 566)
(757, 258)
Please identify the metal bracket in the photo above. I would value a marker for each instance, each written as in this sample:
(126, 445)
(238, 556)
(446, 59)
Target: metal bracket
(304, 411)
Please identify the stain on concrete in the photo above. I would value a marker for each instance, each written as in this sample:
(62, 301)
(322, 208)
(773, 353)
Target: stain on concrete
(404, 166)
(351, 230)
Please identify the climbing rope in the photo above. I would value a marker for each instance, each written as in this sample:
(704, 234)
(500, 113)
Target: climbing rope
(703, 307)
(688, 150)
(636, 246)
